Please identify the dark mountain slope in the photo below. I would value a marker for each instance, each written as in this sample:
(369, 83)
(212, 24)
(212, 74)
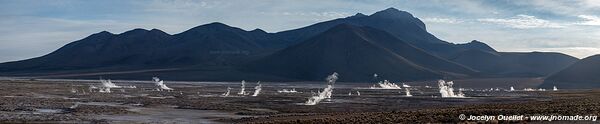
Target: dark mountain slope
(582, 74)
(100, 49)
(406, 27)
(476, 45)
(356, 53)
(218, 46)
(514, 64)
(401, 24)
(210, 44)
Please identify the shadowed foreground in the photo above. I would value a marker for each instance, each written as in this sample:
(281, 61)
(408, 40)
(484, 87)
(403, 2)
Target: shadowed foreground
(193, 102)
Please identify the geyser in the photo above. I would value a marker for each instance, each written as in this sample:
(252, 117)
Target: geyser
(385, 85)
(326, 92)
(104, 90)
(73, 90)
(287, 91)
(106, 86)
(408, 92)
(160, 84)
(446, 89)
(257, 89)
(228, 91)
(243, 90)
(108, 83)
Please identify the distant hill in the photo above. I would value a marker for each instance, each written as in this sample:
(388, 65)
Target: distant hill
(476, 55)
(401, 24)
(357, 53)
(514, 64)
(210, 44)
(582, 74)
(396, 44)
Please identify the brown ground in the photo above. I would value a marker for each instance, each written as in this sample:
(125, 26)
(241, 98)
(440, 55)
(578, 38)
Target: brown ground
(54, 102)
(561, 103)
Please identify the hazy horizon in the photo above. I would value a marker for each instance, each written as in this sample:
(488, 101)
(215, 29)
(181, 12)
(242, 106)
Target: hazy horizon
(35, 28)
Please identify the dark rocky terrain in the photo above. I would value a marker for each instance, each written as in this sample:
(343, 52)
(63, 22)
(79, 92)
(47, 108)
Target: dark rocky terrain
(64, 101)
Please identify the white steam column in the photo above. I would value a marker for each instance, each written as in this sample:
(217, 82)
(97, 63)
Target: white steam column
(446, 89)
(257, 89)
(161, 84)
(243, 90)
(327, 92)
(408, 92)
(228, 91)
(386, 85)
(106, 86)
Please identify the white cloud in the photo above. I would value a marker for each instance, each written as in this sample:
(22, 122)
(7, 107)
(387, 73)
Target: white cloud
(589, 20)
(590, 3)
(562, 7)
(461, 6)
(313, 16)
(523, 22)
(328, 14)
(180, 6)
(443, 20)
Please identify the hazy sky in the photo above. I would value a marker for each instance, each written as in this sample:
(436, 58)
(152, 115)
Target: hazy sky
(31, 28)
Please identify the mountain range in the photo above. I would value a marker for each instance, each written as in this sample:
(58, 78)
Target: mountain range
(357, 52)
(582, 74)
(392, 43)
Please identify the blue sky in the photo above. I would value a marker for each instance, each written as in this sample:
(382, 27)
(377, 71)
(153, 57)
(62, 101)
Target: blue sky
(31, 28)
